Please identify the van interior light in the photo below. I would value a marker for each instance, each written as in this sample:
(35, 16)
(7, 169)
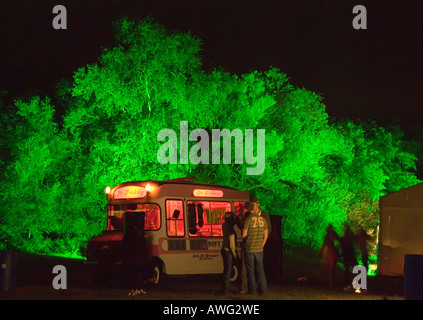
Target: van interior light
(107, 189)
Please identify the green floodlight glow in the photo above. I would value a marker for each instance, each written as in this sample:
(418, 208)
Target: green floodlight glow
(372, 269)
(68, 256)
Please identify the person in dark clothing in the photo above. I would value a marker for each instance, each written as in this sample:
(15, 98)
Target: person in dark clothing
(348, 256)
(361, 240)
(243, 268)
(330, 252)
(228, 249)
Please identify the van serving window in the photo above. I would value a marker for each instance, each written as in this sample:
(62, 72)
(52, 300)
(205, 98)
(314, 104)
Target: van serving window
(240, 210)
(151, 220)
(205, 218)
(175, 218)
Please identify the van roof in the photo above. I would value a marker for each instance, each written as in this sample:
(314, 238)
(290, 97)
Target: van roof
(173, 181)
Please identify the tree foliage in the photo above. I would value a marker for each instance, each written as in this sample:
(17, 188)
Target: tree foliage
(318, 171)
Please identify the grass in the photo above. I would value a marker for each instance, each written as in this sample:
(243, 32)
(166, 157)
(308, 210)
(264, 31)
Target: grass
(34, 282)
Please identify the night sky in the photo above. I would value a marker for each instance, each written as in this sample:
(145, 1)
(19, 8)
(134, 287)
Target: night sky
(375, 73)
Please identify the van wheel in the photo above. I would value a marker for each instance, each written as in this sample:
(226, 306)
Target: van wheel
(155, 272)
(234, 273)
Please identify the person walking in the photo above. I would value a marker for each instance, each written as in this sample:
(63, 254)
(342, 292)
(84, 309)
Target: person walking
(330, 252)
(255, 234)
(228, 250)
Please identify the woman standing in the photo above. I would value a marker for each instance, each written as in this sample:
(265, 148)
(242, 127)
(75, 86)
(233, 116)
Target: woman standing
(331, 254)
(228, 249)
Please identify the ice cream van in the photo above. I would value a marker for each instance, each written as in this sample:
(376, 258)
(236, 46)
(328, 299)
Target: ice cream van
(171, 227)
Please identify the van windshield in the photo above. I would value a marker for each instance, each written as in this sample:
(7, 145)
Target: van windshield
(115, 215)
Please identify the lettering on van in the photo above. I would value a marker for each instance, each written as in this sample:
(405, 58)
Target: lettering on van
(205, 256)
(130, 192)
(214, 244)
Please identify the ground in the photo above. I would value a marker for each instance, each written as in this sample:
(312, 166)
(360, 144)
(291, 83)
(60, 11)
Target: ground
(34, 281)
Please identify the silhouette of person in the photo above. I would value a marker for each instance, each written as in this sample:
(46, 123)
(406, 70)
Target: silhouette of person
(243, 268)
(361, 240)
(228, 249)
(348, 255)
(330, 252)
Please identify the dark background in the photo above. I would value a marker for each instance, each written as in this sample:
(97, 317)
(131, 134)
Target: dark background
(367, 74)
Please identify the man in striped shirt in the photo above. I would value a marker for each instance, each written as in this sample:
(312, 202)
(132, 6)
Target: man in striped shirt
(255, 234)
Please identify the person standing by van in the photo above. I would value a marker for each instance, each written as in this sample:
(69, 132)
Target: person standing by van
(256, 207)
(228, 249)
(255, 234)
(243, 268)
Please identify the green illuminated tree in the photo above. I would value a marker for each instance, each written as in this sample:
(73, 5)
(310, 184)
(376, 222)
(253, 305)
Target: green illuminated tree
(382, 163)
(32, 188)
(318, 172)
(40, 207)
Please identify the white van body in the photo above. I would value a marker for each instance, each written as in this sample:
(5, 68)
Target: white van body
(182, 224)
